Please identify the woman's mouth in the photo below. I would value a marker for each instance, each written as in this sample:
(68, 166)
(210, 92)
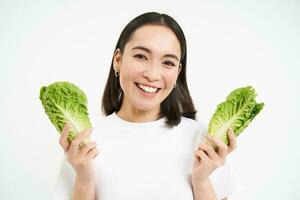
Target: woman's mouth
(147, 90)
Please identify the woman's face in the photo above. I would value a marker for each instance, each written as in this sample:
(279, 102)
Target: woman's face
(149, 67)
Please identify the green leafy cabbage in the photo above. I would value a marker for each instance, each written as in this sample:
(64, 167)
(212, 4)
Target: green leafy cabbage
(64, 103)
(236, 112)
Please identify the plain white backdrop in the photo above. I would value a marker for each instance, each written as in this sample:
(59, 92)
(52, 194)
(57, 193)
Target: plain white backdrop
(230, 44)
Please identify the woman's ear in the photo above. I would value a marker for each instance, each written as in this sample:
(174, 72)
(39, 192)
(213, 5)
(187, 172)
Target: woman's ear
(117, 60)
(179, 68)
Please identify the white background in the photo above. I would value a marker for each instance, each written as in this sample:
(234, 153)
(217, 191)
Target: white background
(230, 44)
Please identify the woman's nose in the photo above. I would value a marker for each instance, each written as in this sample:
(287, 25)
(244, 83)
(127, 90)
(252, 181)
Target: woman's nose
(152, 73)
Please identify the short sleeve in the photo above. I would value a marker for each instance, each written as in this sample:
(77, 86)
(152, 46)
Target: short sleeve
(224, 181)
(64, 185)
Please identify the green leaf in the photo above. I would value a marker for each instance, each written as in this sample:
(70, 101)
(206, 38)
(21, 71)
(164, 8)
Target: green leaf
(236, 112)
(63, 103)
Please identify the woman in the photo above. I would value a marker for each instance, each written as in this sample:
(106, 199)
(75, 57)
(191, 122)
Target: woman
(151, 145)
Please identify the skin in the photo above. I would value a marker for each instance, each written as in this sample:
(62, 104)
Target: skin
(206, 161)
(146, 61)
(81, 161)
(149, 67)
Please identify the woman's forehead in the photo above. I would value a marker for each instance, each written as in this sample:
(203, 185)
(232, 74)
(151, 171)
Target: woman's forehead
(156, 38)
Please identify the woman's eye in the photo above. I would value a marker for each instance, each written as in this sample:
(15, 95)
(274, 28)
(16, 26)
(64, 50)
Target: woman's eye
(169, 63)
(140, 56)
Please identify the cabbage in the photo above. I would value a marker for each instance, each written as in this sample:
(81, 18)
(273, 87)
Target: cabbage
(236, 112)
(64, 103)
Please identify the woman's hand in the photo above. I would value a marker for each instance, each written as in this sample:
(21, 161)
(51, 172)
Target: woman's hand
(207, 159)
(80, 157)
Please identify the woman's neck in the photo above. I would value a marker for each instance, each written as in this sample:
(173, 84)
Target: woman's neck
(137, 115)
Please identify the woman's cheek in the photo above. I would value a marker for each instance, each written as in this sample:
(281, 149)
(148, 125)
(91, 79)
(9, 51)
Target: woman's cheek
(134, 69)
(171, 79)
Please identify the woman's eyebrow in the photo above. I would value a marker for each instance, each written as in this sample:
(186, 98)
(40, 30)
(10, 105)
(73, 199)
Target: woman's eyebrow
(149, 51)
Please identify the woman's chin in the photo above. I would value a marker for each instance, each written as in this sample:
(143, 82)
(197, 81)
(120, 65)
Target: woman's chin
(146, 107)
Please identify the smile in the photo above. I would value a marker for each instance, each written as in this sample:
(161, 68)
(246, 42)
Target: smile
(147, 89)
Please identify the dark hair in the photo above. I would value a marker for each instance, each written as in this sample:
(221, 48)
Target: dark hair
(179, 102)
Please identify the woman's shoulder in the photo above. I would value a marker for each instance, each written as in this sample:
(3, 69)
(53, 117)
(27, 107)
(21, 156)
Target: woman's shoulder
(101, 123)
(104, 119)
(196, 129)
(188, 122)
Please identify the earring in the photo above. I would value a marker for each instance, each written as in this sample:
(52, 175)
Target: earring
(174, 85)
(117, 74)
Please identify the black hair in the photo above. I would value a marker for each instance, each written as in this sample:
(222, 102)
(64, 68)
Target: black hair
(179, 102)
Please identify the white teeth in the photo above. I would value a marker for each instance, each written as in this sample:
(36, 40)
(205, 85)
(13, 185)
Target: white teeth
(147, 89)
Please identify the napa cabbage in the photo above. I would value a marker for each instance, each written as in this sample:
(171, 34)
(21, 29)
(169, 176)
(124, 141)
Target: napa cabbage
(63, 103)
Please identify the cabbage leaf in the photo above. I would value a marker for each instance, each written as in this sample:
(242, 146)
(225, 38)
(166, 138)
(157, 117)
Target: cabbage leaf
(63, 103)
(236, 112)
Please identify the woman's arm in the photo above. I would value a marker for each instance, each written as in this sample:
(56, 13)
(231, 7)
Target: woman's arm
(204, 191)
(84, 190)
(207, 159)
(81, 157)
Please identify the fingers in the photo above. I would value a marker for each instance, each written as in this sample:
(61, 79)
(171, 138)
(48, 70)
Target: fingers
(224, 149)
(208, 149)
(212, 154)
(232, 140)
(74, 148)
(92, 153)
(221, 146)
(88, 147)
(89, 151)
(203, 157)
(63, 140)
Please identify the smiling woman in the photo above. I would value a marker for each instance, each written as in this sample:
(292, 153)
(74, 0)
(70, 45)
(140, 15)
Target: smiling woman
(149, 140)
(147, 70)
(151, 51)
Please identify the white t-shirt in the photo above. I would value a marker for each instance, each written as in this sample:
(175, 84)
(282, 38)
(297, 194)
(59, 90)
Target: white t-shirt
(145, 161)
